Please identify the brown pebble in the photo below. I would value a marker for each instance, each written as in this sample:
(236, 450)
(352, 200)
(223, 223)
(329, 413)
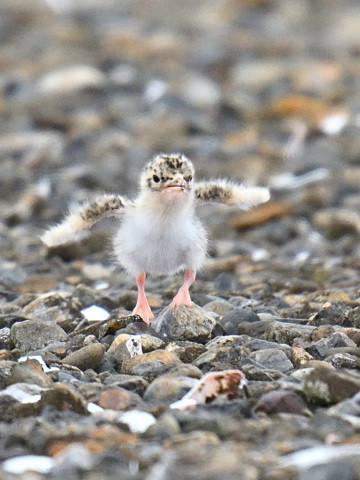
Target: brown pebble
(260, 214)
(86, 357)
(322, 331)
(118, 398)
(157, 355)
(300, 357)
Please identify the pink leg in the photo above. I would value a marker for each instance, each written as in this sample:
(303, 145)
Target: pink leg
(142, 307)
(183, 295)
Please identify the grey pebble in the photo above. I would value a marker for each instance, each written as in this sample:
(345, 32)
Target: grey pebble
(184, 323)
(32, 335)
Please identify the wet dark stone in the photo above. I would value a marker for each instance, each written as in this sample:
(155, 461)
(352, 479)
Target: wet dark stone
(336, 314)
(323, 347)
(231, 320)
(281, 401)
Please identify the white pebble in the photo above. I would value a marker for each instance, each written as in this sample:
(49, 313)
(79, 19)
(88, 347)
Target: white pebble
(71, 79)
(95, 313)
(154, 90)
(137, 421)
(334, 123)
(25, 463)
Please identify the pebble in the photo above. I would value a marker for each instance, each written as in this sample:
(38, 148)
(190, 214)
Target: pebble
(324, 386)
(28, 374)
(184, 323)
(273, 359)
(117, 398)
(281, 401)
(138, 421)
(71, 79)
(33, 463)
(32, 334)
(185, 350)
(89, 356)
(134, 383)
(157, 357)
(231, 320)
(220, 307)
(325, 346)
(227, 355)
(95, 313)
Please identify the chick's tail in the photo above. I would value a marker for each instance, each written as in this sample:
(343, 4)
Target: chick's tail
(81, 217)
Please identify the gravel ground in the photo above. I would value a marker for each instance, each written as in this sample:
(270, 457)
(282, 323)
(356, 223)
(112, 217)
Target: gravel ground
(262, 91)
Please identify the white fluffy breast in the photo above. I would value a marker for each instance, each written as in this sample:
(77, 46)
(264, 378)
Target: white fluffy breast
(160, 244)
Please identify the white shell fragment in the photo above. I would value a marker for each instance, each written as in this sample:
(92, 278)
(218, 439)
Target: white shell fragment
(93, 408)
(23, 393)
(95, 313)
(40, 360)
(137, 421)
(210, 386)
(134, 345)
(26, 463)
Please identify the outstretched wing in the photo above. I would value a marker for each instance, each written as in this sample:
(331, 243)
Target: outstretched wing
(224, 191)
(81, 217)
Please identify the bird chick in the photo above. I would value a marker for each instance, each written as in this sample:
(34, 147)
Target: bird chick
(160, 233)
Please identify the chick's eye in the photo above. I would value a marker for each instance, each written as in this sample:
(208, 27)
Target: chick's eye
(156, 179)
(189, 178)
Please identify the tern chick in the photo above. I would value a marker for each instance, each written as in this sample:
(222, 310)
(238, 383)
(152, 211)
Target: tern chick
(160, 233)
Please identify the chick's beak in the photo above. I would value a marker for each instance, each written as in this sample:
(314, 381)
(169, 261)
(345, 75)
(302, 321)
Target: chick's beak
(176, 183)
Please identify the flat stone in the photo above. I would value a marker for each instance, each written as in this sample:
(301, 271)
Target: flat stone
(159, 356)
(32, 335)
(272, 358)
(323, 347)
(134, 383)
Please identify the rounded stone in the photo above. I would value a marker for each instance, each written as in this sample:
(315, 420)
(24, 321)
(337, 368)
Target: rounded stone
(185, 323)
(86, 357)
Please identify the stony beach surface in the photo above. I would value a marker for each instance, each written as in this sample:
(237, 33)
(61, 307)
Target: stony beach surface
(265, 92)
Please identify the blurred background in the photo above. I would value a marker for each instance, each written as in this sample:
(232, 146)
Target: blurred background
(261, 91)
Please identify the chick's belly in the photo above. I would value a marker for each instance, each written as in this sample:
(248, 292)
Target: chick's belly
(159, 254)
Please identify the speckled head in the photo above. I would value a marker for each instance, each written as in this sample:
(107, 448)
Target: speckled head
(165, 172)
